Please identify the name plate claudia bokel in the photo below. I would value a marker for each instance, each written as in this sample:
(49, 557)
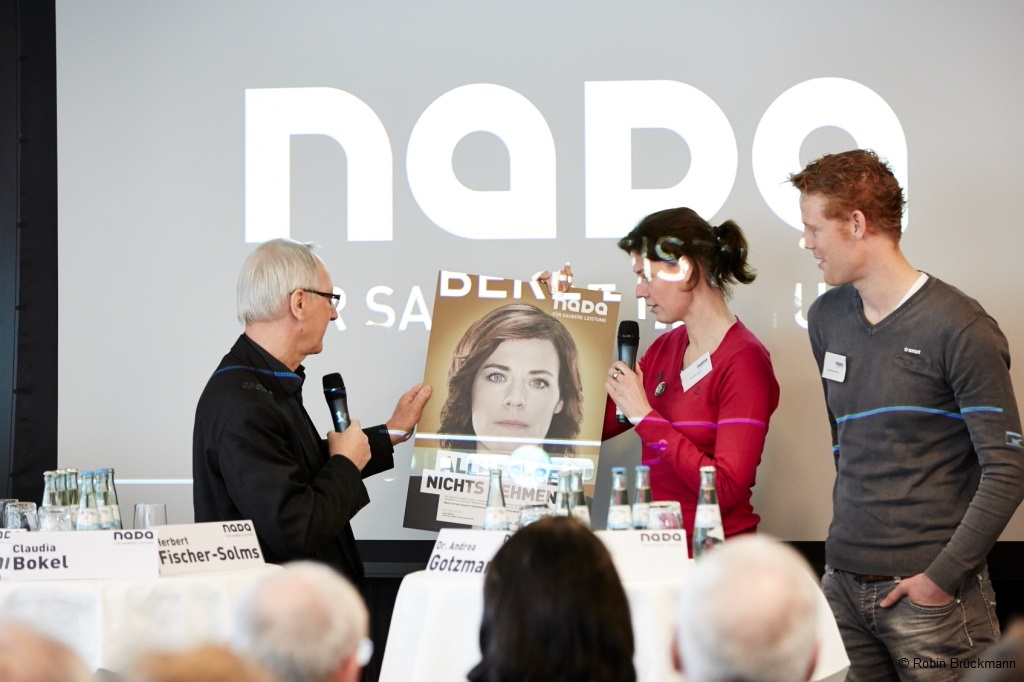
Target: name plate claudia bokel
(86, 555)
(205, 547)
(647, 554)
(461, 552)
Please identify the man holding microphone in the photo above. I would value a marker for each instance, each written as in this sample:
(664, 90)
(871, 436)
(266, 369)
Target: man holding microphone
(256, 454)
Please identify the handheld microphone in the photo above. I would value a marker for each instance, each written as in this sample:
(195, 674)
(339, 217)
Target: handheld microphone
(629, 342)
(337, 400)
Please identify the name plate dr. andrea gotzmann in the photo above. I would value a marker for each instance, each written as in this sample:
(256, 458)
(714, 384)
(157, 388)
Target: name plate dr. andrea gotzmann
(91, 555)
(465, 553)
(205, 547)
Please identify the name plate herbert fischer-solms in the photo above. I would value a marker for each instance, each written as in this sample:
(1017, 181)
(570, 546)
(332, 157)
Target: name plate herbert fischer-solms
(205, 547)
(92, 555)
(463, 552)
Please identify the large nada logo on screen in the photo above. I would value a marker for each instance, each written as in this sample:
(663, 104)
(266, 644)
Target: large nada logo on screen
(527, 209)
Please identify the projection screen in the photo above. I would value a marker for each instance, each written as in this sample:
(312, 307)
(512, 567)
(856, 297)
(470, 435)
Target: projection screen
(495, 138)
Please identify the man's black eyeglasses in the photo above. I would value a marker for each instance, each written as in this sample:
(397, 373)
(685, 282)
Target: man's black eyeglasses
(334, 299)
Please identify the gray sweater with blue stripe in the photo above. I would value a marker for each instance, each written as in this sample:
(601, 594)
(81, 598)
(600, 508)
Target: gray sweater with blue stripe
(925, 432)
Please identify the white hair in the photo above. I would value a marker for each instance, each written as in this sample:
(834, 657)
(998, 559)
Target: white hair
(270, 274)
(303, 623)
(748, 612)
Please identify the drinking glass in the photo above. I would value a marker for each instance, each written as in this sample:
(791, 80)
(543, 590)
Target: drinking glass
(664, 515)
(533, 512)
(55, 518)
(22, 515)
(150, 514)
(3, 510)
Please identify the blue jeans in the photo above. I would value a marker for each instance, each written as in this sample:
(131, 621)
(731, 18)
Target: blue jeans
(907, 641)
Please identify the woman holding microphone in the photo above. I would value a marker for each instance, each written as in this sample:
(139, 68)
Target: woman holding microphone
(704, 392)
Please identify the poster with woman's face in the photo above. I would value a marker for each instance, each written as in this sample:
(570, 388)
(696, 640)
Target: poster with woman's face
(518, 377)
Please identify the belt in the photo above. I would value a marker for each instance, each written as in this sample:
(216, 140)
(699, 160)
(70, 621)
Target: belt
(870, 577)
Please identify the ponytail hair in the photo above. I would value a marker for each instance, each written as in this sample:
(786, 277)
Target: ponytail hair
(731, 265)
(719, 254)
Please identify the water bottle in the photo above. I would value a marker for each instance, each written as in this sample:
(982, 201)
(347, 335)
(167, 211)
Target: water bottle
(496, 514)
(88, 513)
(620, 515)
(51, 498)
(708, 532)
(60, 481)
(99, 483)
(106, 496)
(71, 485)
(564, 496)
(578, 506)
(641, 496)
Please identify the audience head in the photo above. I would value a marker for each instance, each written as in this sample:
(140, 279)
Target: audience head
(203, 664)
(748, 612)
(716, 253)
(856, 180)
(472, 393)
(554, 609)
(305, 623)
(270, 274)
(29, 656)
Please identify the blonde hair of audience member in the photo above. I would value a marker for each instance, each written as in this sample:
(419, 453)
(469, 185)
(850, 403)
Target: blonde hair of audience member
(748, 612)
(305, 623)
(202, 664)
(27, 655)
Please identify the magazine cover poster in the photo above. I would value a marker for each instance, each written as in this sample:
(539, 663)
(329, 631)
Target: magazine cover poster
(518, 378)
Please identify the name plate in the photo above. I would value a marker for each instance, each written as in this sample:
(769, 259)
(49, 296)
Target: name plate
(86, 555)
(206, 547)
(462, 552)
(647, 554)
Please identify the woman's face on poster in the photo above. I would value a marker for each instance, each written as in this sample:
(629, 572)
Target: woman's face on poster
(515, 394)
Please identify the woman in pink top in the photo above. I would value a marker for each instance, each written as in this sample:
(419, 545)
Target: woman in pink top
(704, 391)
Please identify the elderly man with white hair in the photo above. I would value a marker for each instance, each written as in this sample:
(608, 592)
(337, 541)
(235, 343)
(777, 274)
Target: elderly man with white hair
(255, 452)
(305, 623)
(748, 613)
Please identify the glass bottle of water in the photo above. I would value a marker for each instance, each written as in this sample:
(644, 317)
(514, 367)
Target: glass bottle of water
(641, 496)
(620, 516)
(708, 532)
(60, 481)
(51, 498)
(578, 506)
(563, 496)
(106, 495)
(496, 514)
(88, 513)
(99, 483)
(71, 487)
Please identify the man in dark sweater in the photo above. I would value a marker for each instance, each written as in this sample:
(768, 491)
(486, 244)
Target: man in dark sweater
(925, 432)
(255, 452)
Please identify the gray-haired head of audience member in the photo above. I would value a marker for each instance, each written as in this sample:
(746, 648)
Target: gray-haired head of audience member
(27, 655)
(270, 274)
(305, 623)
(748, 612)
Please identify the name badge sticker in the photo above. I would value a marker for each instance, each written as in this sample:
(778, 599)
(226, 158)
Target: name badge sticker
(695, 372)
(835, 367)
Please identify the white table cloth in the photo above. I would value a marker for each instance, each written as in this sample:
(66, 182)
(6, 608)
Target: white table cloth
(435, 628)
(109, 622)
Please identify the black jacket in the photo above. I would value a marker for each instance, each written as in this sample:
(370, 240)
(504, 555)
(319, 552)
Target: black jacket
(256, 455)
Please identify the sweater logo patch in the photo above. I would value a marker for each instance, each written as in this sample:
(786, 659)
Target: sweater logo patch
(915, 351)
(1014, 439)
